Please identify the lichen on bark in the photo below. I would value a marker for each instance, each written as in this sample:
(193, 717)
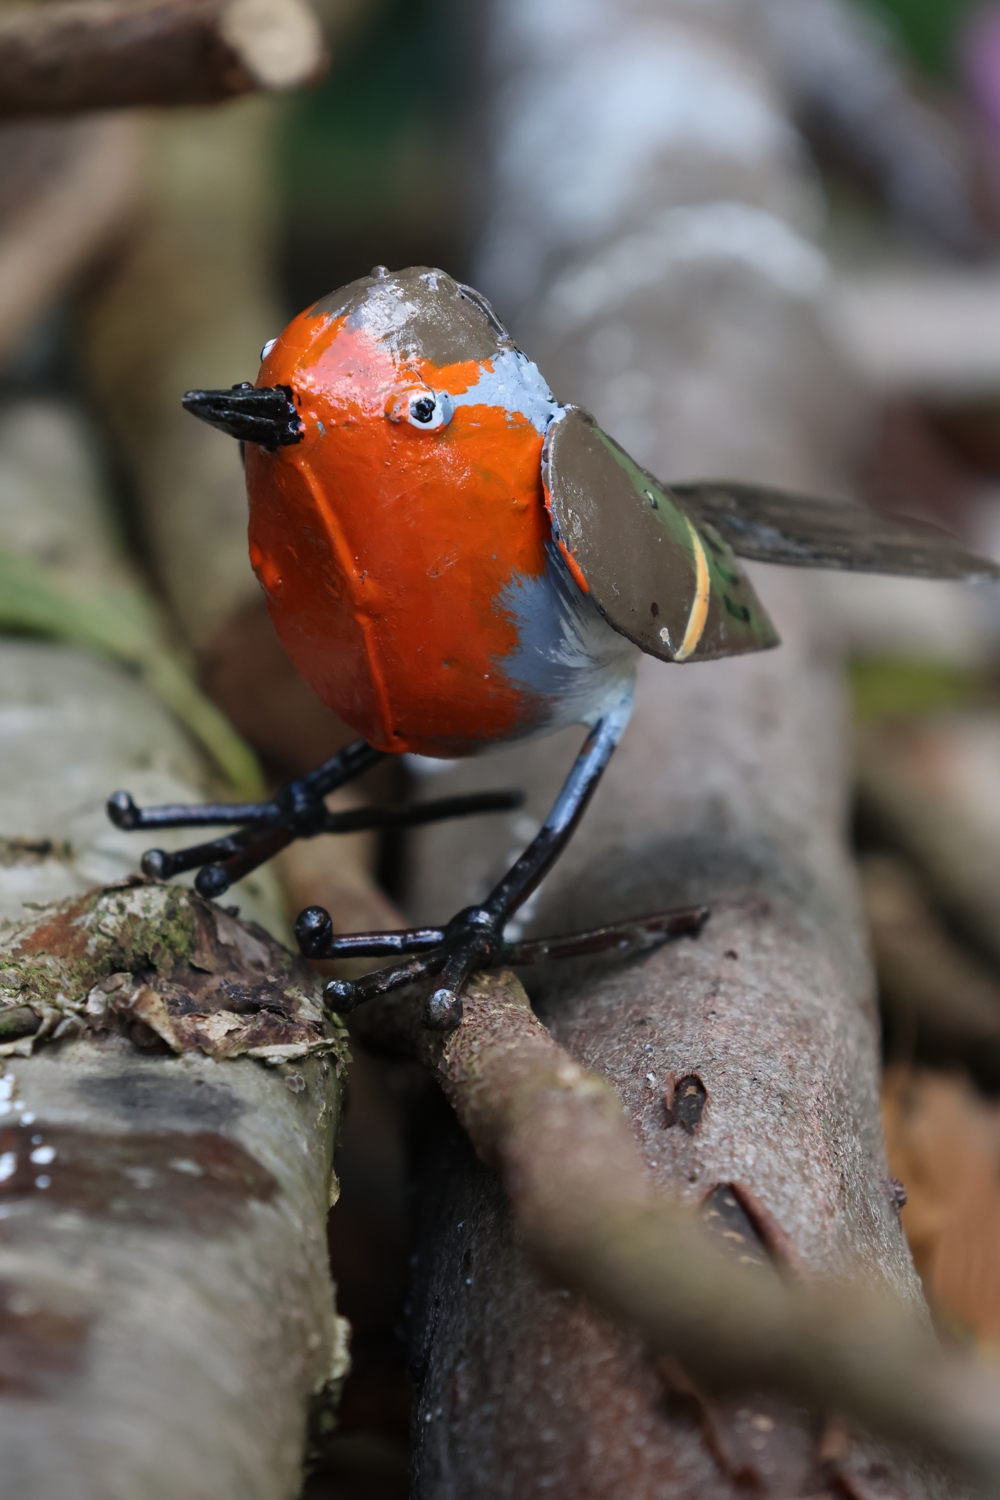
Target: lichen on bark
(162, 966)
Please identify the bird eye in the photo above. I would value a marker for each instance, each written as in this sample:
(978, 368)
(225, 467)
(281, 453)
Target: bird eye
(421, 408)
(267, 349)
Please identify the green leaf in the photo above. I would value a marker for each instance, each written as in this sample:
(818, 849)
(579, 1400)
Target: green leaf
(122, 625)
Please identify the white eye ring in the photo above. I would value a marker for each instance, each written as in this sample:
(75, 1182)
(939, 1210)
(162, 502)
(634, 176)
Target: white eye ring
(267, 349)
(429, 409)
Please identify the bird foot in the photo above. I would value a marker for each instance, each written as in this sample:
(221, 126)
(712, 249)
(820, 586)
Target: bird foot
(472, 941)
(298, 811)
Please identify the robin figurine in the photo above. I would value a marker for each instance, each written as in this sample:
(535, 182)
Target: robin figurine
(454, 560)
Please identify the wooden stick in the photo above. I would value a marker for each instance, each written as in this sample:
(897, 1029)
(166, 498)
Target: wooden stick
(103, 54)
(587, 1208)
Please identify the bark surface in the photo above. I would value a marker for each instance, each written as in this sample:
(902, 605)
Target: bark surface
(63, 58)
(170, 1089)
(664, 281)
(165, 1300)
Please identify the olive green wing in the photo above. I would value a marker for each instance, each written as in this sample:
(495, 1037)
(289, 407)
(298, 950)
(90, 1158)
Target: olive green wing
(659, 573)
(772, 526)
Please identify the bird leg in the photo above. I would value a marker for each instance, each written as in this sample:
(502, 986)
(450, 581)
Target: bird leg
(298, 811)
(473, 939)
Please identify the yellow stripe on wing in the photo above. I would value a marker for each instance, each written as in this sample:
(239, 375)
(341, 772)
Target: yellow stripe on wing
(702, 596)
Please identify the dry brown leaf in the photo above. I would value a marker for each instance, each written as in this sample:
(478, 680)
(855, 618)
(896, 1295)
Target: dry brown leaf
(943, 1142)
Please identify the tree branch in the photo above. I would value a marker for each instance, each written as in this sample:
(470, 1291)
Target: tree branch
(588, 1210)
(170, 1087)
(104, 54)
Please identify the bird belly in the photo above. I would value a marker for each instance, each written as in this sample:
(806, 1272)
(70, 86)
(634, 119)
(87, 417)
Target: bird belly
(554, 663)
(562, 664)
(411, 576)
(437, 660)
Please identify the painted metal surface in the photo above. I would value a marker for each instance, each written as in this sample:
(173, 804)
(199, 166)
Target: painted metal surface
(251, 414)
(443, 546)
(657, 573)
(776, 527)
(453, 560)
(403, 543)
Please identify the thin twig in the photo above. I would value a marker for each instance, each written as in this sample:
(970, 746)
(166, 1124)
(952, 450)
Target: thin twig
(585, 1205)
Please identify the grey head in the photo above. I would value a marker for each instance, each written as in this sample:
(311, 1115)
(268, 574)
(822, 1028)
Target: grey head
(420, 312)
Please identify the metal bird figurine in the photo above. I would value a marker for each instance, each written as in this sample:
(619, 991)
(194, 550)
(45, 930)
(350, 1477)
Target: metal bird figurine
(453, 560)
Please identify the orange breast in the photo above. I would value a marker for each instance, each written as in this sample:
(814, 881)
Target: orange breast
(384, 550)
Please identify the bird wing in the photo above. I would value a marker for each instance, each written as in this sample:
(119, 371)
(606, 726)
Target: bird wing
(772, 526)
(659, 573)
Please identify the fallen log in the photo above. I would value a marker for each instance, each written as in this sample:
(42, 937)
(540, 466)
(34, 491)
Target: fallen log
(165, 1172)
(170, 1086)
(104, 54)
(660, 276)
(585, 1203)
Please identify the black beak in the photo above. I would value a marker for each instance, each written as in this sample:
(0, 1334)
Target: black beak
(264, 415)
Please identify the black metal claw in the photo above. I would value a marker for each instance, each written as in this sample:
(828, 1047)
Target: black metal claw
(313, 931)
(316, 938)
(212, 881)
(161, 864)
(429, 945)
(298, 811)
(345, 995)
(123, 812)
(155, 864)
(415, 814)
(633, 936)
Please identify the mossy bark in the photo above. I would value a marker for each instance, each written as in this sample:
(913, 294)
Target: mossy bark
(170, 1088)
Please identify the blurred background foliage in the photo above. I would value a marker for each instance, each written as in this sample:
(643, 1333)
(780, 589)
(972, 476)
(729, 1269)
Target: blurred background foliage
(927, 28)
(370, 160)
